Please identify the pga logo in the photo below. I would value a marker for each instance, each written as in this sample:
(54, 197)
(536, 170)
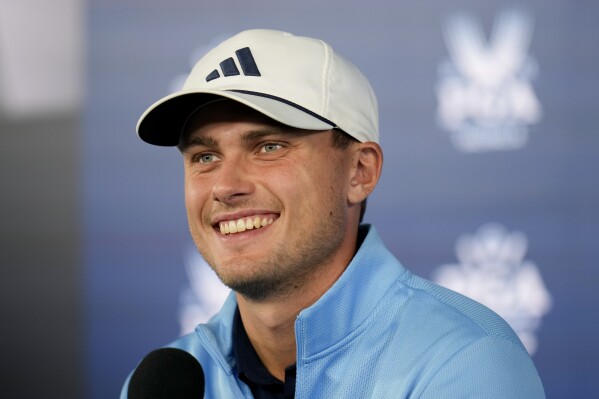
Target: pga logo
(485, 97)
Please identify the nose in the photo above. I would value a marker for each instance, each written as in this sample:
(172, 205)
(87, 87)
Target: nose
(233, 182)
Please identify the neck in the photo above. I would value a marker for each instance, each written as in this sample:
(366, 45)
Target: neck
(270, 323)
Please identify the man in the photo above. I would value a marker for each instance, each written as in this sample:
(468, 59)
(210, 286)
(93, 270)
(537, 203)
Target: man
(279, 137)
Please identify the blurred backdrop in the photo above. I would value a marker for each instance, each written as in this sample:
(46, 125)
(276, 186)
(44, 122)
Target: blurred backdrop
(489, 128)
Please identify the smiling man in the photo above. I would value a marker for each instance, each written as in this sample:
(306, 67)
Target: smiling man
(279, 137)
(279, 207)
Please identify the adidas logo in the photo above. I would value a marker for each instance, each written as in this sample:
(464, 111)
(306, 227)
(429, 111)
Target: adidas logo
(229, 68)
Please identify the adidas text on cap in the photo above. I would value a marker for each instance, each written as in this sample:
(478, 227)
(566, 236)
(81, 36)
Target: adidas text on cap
(298, 81)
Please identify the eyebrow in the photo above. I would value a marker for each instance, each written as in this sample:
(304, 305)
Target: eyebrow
(252, 135)
(268, 131)
(195, 142)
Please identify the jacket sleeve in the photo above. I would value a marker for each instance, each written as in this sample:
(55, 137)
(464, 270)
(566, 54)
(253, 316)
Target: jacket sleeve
(489, 368)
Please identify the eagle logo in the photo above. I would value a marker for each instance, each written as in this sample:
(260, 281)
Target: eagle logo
(492, 270)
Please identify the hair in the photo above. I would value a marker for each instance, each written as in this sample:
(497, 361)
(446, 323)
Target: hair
(342, 140)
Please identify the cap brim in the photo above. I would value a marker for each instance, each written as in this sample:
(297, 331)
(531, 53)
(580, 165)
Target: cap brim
(163, 122)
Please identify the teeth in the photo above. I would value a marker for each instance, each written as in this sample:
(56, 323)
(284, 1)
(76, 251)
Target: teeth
(243, 224)
(240, 225)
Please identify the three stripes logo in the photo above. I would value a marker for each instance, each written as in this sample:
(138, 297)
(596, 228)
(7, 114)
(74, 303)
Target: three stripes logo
(229, 68)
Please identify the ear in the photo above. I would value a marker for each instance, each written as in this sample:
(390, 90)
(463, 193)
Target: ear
(367, 163)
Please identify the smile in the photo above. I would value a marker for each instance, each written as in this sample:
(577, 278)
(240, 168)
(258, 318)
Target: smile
(243, 224)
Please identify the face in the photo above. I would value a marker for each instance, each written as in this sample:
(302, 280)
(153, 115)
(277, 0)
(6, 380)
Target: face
(266, 204)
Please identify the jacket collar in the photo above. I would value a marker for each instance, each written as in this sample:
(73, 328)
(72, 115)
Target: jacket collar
(343, 311)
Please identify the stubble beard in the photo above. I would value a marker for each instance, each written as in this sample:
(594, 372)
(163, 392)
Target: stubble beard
(290, 266)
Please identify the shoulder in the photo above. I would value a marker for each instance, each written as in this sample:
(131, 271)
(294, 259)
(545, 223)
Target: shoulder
(455, 312)
(212, 343)
(472, 351)
(490, 367)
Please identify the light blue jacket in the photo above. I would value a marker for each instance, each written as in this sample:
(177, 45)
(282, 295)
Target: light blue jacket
(382, 332)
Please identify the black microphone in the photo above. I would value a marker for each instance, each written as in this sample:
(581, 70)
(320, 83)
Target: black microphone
(167, 373)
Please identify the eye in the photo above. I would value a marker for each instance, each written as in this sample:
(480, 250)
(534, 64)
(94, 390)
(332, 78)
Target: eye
(205, 158)
(270, 147)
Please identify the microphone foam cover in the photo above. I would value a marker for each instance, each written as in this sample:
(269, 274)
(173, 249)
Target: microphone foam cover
(167, 373)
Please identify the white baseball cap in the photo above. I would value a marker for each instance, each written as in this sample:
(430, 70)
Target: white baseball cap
(298, 81)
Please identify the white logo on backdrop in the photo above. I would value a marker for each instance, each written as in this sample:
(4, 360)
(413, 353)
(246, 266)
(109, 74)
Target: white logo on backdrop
(485, 98)
(493, 271)
(205, 294)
